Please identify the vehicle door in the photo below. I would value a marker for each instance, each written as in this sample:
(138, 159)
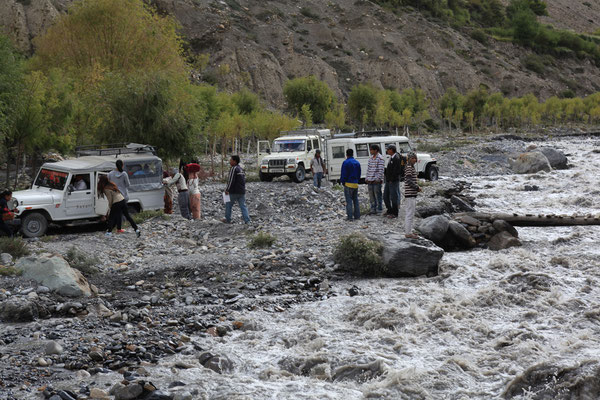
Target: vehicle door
(263, 150)
(79, 198)
(100, 204)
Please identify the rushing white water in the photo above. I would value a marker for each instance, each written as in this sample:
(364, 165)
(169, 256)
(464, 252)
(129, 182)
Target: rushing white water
(463, 335)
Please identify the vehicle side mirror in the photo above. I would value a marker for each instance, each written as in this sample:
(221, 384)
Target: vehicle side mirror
(70, 189)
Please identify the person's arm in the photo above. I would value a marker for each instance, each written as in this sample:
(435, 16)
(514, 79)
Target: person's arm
(231, 179)
(343, 172)
(171, 181)
(126, 181)
(410, 178)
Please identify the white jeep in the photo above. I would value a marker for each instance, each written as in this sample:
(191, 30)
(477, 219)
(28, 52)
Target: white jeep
(290, 154)
(65, 191)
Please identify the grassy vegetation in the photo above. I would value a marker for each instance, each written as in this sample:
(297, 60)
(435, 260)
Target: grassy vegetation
(16, 247)
(358, 254)
(9, 271)
(81, 261)
(261, 240)
(149, 214)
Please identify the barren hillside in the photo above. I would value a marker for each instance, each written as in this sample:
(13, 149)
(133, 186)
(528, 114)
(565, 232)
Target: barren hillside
(344, 42)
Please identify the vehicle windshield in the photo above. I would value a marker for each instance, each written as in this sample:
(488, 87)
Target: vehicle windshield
(51, 179)
(288, 145)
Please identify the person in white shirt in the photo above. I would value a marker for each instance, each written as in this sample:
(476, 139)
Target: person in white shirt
(79, 183)
(317, 167)
(183, 198)
(195, 196)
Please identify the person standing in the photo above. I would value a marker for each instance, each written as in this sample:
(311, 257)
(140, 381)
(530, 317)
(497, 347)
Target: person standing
(317, 167)
(183, 197)
(411, 189)
(236, 189)
(375, 175)
(349, 179)
(195, 196)
(394, 173)
(116, 205)
(168, 197)
(121, 179)
(6, 213)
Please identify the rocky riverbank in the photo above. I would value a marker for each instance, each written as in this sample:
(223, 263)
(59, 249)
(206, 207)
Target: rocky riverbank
(184, 282)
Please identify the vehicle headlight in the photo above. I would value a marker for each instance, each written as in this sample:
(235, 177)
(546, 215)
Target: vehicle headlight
(264, 162)
(291, 161)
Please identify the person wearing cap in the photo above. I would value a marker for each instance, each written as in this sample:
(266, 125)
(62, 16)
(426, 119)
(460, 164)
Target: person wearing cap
(374, 179)
(349, 179)
(394, 173)
(183, 198)
(411, 189)
(317, 167)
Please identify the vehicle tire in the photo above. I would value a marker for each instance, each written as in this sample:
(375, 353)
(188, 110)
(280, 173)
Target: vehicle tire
(299, 175)
(133, 208)
(432, 173)
(34, 225)
(265, 177)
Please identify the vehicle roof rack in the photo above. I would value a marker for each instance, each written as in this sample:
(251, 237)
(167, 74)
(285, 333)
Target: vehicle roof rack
(363, 134)
(114, 149)
(309, 131)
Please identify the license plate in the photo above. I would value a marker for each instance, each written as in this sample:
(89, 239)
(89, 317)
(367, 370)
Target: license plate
(276, 170)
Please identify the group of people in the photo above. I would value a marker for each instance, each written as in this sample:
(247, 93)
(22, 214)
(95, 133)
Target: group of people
(397, 170)
(189, 198)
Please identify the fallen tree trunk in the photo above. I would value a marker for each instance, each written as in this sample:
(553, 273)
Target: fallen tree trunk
(535, 219)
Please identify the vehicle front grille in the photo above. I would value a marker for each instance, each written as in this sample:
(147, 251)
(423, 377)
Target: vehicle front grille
(276, 163)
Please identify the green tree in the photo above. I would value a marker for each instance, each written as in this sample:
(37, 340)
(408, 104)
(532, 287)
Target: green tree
(474, 102)
(311, 91)
(336, 117)
(11, 85)
(306, 116)
(449, 103)
(361, 104)
(246, 101)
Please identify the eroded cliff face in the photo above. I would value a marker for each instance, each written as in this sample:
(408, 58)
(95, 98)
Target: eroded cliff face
(343, 42)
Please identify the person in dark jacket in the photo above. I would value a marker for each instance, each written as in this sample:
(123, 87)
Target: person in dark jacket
(349, 179)
(6, 212)
(394, 173)
(236, 189)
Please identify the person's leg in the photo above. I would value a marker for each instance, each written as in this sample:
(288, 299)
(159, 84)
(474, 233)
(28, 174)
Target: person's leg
(386, 197)
(114, 217)
(228, 207)
(315, 179)
(378, 197)
(125, 211)
(168, 203)
(409, 209)
(319, 178)
(184, 201)
(242, 202)
(399, 194)
(6, 229)
(394, 197)
(356, 204)
(372, 198)
(348, 196)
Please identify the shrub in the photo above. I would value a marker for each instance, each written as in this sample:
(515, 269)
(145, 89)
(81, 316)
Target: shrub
(79, 260)
(9, 271)
(480, 36)
(16, 247)
(146, 215)
(261, 240)
(358, 254)
(308, 13)
(534, 63)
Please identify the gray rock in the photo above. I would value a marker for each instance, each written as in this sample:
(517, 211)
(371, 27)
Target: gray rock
(159, 395)
(358, 372)
(20, 310)
(530, 163)
(126, 392)
(503, 240)
(436, 208)
(55, 273)
(467, 219)
(502, 226)
(461, 234)
(410, 257)
(53, 347)
(183, 396)
(556, 158)
(6, 259)
(461, 204)
(434, 228)
(219, 364)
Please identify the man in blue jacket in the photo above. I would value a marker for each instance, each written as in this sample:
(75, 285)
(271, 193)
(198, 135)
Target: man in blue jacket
(349, 179)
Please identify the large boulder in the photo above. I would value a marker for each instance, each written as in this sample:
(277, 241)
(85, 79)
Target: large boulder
(21, 310)
(502, 226)
(434, 228)
(556, 158)
(530, 163)
(410, 257)
(461, 204)
(461, 235)
(503, 240)
(55, 273)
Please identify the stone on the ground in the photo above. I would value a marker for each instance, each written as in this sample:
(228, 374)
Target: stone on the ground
(358, 372)
(410, 257)
(434, 208)
(461, 204)
(53, 347)
(461, 234)
(434, 228)
(219, 364)
(503, 240)
(502, 226)
(6, 259)
(530, 163)
(98, 394)
(556, 158)
(126, 392)
(55, 273)
(20, 310)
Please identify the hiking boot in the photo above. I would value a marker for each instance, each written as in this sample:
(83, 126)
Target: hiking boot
(138, 233)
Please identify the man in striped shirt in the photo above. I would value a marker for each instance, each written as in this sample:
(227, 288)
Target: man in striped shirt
(411, 189)
(374, 179)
